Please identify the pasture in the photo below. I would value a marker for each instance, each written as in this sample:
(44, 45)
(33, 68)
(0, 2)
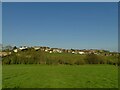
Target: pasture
(59, 76)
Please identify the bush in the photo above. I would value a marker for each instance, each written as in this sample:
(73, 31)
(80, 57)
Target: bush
(80, 62)
(92, 59)
(31, 56)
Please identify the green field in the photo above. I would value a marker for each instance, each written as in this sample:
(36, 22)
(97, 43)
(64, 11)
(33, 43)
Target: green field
(60, 76)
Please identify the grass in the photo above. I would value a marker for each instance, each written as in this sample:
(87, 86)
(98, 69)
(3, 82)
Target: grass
(60, 76)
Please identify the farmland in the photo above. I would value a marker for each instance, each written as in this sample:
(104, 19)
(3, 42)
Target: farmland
(60, 76)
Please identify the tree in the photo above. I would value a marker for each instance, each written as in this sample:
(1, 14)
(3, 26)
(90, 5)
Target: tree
(92, 59)
(14, 47)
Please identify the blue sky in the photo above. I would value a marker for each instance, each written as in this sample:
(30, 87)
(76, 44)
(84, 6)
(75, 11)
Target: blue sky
(0, 23)
(63, 25)
(60, 0)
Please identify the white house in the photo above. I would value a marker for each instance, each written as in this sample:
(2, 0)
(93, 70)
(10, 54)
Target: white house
(73, 52)
(23, 47)
(36, 47)
(50, 52)
(81, 52)
(46, 50)
(15, 50)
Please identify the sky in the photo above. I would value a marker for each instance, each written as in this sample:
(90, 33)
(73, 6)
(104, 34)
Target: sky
(0, 23)
(67, 25)
(60, 0)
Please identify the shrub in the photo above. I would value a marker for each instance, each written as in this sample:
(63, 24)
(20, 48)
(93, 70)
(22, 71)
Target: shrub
(31, 56)
(92, 59)
(80, 62)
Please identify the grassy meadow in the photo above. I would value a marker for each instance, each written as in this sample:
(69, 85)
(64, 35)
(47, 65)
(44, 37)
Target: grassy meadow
(39, 69)
(60, 76)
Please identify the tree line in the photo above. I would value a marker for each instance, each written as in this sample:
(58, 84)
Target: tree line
(32, 56)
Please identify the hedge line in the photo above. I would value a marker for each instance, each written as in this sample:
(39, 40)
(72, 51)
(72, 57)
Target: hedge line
(40, 57)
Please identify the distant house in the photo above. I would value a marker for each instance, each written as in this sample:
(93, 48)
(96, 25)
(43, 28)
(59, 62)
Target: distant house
(47, 49)
(50, 51)
(69, 51)
(80, 52)
(56, 50)
(23, 48)
(2, 54)
(73, 52)
(15, 50)
(36, 47)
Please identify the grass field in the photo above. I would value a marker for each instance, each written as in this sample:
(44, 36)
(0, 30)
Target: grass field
(60, 76)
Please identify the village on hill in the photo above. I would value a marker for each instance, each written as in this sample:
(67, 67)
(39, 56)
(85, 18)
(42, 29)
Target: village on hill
(9, 49)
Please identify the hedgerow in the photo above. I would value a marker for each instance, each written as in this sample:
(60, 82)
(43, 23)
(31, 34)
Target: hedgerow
(40, 57)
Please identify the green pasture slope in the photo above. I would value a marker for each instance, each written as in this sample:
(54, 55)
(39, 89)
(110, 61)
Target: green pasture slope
(60, 76)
